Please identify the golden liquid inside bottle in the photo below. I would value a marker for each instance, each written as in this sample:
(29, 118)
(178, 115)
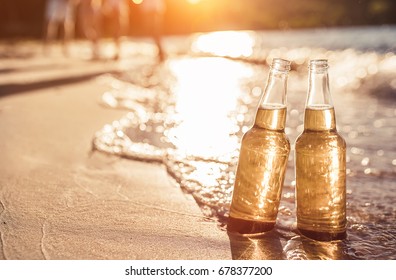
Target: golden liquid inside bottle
(260, 173)
(321, 176)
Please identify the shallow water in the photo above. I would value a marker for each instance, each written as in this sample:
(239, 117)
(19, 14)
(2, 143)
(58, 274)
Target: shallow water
(190, 113)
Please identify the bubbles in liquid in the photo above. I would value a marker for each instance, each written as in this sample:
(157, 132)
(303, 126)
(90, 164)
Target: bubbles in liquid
(320, 177)
(261, 169)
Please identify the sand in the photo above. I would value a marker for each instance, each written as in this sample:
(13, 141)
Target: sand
(58, 200)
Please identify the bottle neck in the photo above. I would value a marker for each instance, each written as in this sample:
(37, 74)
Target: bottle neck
(318, 88)
(275, 91)
(319, 110)
(271, 112)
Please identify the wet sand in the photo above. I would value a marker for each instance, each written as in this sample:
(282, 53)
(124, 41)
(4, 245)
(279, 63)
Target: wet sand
(60, 200)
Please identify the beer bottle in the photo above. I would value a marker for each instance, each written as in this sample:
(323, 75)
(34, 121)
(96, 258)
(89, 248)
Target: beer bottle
(262, 161)
(320, 164)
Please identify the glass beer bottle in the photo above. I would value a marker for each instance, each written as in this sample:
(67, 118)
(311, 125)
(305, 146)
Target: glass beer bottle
(320, 164)
(262, 161)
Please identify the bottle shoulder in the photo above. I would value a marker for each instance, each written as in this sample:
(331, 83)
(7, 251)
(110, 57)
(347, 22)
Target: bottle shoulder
(256, 131)
(264, 138)
(320, 140)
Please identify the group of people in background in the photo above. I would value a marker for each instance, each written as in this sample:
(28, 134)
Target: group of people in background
(63, 14)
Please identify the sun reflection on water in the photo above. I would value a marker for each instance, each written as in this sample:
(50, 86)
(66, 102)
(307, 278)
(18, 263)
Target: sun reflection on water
(226, 43)
(206, 94)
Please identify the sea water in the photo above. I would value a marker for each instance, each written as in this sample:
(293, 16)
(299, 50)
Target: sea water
(190, 113)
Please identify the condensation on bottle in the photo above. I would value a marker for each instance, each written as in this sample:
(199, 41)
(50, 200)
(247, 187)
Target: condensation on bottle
(320, 155)
(263, 159)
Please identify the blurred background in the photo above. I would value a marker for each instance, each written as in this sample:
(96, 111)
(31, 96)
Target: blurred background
(22, 18)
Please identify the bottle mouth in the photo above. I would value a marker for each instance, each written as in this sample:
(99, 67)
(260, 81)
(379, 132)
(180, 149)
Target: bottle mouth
(318, 65)
(281, 64)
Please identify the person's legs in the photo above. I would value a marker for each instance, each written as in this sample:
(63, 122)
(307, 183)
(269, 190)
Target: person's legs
(49, 27)
(120, 17)
(68, 32)
(50, 32)
(157, 31)
(90, 20)
(153, 26)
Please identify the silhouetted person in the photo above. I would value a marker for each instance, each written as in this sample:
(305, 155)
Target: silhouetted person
(117, 11)
(59, 14)
(154, 11)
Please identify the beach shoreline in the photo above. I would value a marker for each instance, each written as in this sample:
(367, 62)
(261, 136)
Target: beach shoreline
(60, 200)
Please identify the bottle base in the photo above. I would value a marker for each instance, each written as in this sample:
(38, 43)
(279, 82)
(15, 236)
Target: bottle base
(323, 236)
(246, 227)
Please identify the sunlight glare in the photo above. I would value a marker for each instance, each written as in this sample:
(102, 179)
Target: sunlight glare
(226, 43)
(137, 2)
(206, 93)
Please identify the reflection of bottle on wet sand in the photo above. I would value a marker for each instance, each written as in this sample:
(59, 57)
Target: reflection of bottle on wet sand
(262, 160)
(320, 164)
(265, 247)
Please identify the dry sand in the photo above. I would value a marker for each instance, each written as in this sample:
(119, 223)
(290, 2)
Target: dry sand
(60, 201)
